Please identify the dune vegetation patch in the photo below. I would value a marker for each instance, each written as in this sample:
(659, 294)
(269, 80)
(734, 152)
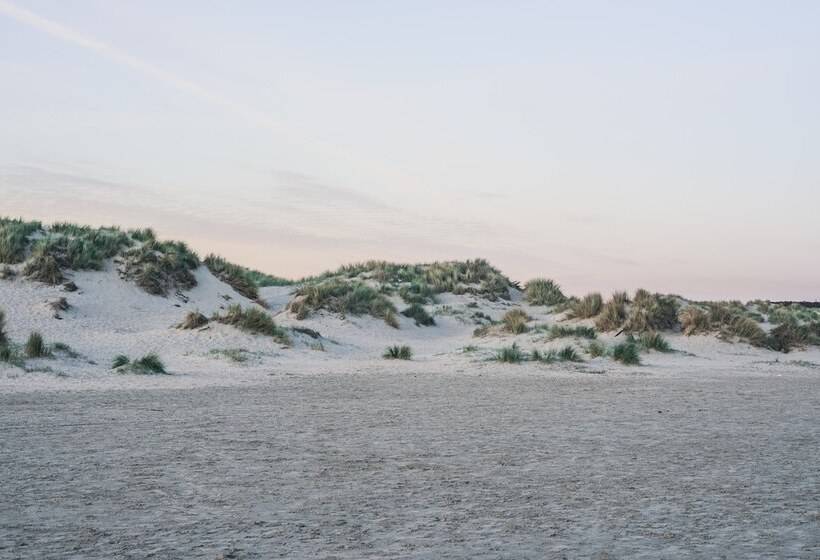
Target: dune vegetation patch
(579, 331)
(159, 267)
(417, 312)
(15, 239)
(543, 291)
(398, 352)
(150, 364)
(588, 306)
(253, 321)
(343, 297)
(193, 320)
(244, 280)
(515, 321)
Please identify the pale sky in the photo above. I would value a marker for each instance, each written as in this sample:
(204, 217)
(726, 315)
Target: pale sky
(607, 145)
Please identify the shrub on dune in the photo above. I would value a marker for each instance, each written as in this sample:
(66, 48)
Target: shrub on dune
(14, 239)
(397, 352)
(515, 321)
(419, 315)
(747, 329)
(787, 335)
(569, 354)
(158, 267)
(588, 306)
(417, 293)
(543, 291)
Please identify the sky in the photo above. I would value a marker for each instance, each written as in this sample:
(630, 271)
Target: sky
(665, 145)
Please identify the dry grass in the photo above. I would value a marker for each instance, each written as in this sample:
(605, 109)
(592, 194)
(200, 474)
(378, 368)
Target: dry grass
(515, 321)
(193, 320)
(543, 291)
(588, 306)
(612, 316)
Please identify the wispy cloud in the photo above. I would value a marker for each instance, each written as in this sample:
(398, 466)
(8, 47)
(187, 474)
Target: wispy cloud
(69, 35)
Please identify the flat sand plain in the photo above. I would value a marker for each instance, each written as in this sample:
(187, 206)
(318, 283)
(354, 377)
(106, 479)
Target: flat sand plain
(411, 464)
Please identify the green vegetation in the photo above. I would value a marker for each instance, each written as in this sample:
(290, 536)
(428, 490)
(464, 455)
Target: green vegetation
(695, 320)
(43, 268)
(119, 361)
(588, 306)
(36, 347)
(613, 314)
(397, 352)
(547, 357)
(235, 276)
(160, 266)
(344, 297)
(14, 239)
(626, 353)
(569, 354)
(654, 341)
(561, 331)
(651, 312)
(596, 349)
(417, 312)
(254, 321)
(417, 293)
(543, 291)
(3, 336)
(515, 321)
(510, 355)
(193, 320)
(236, 355)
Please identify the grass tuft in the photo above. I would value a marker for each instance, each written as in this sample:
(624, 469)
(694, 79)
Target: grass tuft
(588, 306)
(561, 331)
(36, 347)
(626, 353)
(119, 361)
(397, 352)
(543, 291)
(515, 321)
(417, 312)
(193, 320)
(254, 321)
(510, 355)
(654, 341)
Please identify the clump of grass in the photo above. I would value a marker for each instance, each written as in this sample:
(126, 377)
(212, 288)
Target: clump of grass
(193, 320)
(7, 273)
(569, 354)
(789, 335)
(148, 364)
(746, 328)
(397, 352)
(510, 355)
(36, 347)
(654, 341)
(119, 361)
(14, 239)
(3, 336)
(652, 312)
(626, 353)
(613, 314)
(694, 320)
(543, 291)
(417, 292)
(547, 357)
(43, 268)
(596, 349)
(64, 349)
(252, 320)
(588, 306)
(10, 355)
(235, 276)
(561, 331)
(161, 266)
(81, 247)
(236, 355)
(341, 296)
(620, 298)
(515, 321)
(417, 312)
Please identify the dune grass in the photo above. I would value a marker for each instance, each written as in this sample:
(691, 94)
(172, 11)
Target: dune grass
(237, 277)
(397, 352)
(569, 354)
(417, 293)
(254, 321)
(510, 355)
(417, 312)
(694, 320)
(515, 321)
(43, 268)
(543, 291)
(193, 320)
(36, 346)
(654, 341)
(588, 306)
(3, 336)
(651, 312)
(613, 314)
(562, 331)
(150, 364)
(344, 297)
(596, 349)
(627, 353)
(14, 239)
(161, 266)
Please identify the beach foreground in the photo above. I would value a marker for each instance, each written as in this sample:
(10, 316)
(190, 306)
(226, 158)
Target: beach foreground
(499, 464)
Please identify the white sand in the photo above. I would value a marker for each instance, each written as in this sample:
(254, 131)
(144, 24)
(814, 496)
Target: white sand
(705, 453)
